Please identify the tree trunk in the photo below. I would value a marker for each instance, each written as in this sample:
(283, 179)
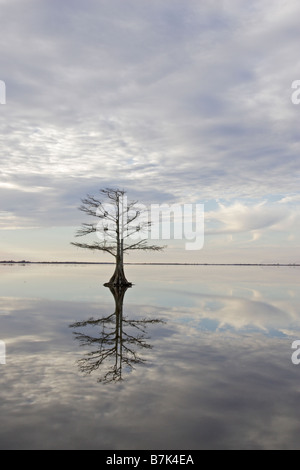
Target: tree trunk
(118, 278)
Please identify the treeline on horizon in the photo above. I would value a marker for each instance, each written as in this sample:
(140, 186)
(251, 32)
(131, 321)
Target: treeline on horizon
(157, 264)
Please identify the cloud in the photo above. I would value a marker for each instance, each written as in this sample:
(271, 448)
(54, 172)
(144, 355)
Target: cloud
(240, 217)
(290, 199)
(184, 101)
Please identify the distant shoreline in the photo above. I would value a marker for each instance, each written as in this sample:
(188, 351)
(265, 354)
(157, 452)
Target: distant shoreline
(22, 263)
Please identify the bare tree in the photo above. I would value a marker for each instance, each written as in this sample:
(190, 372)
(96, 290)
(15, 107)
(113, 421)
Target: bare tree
(118, 226)
(116, 342)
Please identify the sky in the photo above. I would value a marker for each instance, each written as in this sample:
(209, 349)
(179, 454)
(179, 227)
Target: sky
(174, 101)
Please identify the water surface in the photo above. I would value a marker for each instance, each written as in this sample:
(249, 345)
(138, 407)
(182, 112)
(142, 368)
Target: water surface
(190, 357)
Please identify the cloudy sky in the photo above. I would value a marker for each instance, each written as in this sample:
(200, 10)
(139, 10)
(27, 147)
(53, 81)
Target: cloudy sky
(175, 101)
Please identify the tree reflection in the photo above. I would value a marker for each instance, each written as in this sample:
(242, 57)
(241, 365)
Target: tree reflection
(117, 342)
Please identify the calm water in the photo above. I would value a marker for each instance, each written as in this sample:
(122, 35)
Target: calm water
(190, 357)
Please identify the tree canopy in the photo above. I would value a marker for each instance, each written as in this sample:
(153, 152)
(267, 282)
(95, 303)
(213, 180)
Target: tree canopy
(120, 226)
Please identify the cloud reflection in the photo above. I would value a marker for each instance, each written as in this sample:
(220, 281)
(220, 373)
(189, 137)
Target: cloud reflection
(205, 385)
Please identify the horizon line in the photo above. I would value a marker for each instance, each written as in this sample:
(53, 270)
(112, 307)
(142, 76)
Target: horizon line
(148, 263)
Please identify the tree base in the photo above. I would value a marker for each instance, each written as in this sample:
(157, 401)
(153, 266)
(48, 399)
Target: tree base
(118, 284)
(118, 279)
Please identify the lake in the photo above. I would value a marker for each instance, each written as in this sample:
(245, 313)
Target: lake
(190, 357)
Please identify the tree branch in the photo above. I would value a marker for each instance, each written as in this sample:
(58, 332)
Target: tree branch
(96, 246)
(142, 245)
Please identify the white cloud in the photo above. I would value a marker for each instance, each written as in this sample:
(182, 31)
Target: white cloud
(241, 217)
(178, 100)
(290, 199)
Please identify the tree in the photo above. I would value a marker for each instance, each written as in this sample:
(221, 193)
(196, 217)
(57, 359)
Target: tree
(121, 227)
(116, 342)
